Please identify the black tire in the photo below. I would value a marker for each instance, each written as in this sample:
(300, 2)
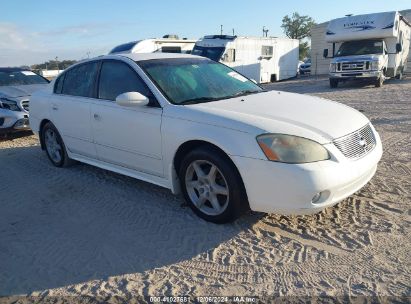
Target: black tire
(333, 83)
(65, 161)
(380, 82)
(237, 198)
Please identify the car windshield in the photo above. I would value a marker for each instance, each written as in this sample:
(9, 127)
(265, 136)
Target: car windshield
(194, 80)
(361, 47)
(10, 78)
(213, 53)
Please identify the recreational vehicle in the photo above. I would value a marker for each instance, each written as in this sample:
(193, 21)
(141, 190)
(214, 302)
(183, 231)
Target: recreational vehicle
(262, 59)
(372, 47)
(167, 44)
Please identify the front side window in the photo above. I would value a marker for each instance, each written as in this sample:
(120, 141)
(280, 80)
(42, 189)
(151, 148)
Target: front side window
(117, 77)
(192, 80)
(9, 77)
(79, 80)
(360, 47)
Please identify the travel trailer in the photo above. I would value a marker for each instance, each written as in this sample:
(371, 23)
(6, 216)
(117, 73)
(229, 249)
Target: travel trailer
(262, 59)
(372, 47)
(167, 44)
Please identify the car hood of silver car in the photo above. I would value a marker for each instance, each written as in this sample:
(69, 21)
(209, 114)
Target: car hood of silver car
(20, 90)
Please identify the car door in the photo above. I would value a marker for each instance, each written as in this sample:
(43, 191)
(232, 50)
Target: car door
(126, 136)
(70, 108)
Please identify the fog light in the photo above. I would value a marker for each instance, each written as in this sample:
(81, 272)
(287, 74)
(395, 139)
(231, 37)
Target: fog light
(316, 198)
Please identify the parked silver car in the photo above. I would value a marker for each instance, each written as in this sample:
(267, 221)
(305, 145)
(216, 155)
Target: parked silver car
(16, 86)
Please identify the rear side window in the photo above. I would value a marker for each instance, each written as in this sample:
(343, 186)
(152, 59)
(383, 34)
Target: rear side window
(79, 81)
(117, 77)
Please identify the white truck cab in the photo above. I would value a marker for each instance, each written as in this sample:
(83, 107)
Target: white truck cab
(370, 47)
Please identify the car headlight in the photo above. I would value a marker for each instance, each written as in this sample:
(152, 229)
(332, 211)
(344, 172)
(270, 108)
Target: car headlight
(374, 65)
(9, 104)
(291, 149)
(333, 67)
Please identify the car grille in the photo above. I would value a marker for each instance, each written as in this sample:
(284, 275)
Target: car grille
(356, 144)
(353, 66)
(25, 105)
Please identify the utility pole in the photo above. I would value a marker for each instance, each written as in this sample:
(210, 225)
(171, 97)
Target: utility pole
(57, 63)
(88, 54)
(221, 29)
(233, 33)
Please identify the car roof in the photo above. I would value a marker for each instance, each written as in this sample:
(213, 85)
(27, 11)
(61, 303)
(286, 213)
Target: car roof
(8, 70)
(150, 56)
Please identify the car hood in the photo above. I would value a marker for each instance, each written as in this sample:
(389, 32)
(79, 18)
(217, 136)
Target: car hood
(357, 58)
(279, 112)
(20, 90)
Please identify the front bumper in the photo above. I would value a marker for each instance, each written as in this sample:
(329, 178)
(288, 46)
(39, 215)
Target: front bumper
(274, 187)
(12, 121)
(356, 75)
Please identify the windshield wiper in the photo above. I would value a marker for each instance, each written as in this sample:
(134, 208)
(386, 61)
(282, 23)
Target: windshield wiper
(244, 93)
(198, 100)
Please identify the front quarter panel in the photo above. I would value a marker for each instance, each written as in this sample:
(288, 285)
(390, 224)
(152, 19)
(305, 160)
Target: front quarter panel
(177, 131)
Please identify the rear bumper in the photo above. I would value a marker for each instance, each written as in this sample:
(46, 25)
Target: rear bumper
(274, 187)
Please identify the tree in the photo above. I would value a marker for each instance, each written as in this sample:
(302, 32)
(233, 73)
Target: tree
(299, 27)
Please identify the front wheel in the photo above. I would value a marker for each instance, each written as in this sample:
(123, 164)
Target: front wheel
(54, 146)
(212, 186)
(380, 82)
(333, 83)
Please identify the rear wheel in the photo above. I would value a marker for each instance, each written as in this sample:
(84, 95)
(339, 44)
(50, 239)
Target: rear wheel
(212, 186)
(54, 146)
(333, 83)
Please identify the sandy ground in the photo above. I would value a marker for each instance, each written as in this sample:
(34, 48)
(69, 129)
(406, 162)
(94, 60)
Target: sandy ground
(86, 231)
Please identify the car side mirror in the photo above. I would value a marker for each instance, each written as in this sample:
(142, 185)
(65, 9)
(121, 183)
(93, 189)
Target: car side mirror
(398, 47)
(131, 99)
(325, 53)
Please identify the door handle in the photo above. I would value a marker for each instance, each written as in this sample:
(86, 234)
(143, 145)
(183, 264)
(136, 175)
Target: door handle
(96, 116)
(54, 107)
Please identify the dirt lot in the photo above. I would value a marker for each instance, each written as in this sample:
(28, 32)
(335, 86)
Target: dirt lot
(86, 231)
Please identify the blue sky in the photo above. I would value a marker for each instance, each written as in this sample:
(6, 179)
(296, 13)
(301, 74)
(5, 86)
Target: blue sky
(35, 31)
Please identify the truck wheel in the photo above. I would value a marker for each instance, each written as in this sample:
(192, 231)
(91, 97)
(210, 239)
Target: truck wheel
(380, 82)
(399, 76)
(333, 83)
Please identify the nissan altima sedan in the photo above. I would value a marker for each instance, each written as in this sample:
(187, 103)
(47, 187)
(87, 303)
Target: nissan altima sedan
(196, 126)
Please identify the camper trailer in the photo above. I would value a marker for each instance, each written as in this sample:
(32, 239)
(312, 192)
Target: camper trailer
(167, 44)
(262, 59)
(371, 47)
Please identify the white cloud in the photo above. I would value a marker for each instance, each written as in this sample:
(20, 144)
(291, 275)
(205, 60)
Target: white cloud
(19, 46)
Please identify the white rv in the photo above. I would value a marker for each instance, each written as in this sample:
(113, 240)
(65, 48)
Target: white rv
(372, 47)
(259, 58)
(167, 44)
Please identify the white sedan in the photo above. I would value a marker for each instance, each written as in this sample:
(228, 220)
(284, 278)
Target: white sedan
(194, 125)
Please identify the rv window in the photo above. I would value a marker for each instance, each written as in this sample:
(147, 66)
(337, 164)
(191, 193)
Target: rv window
(171, 49)
(267, 51)
(213, 53)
